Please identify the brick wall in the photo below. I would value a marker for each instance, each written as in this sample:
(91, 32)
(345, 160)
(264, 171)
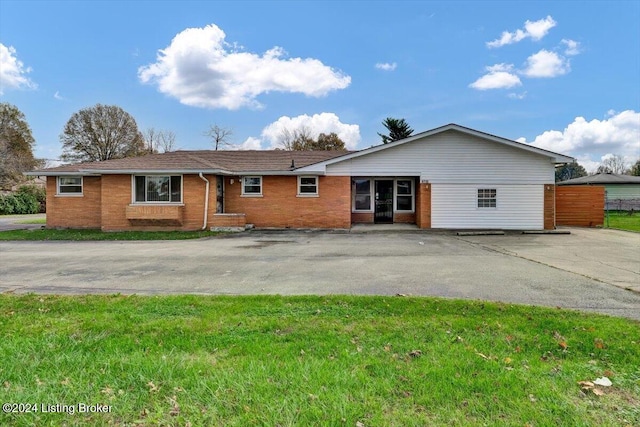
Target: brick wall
(116, 197)
(280, 207)
(74, 211)
(423, 206)
(549, 206)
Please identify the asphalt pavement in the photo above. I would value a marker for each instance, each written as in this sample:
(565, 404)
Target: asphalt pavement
(590, 269)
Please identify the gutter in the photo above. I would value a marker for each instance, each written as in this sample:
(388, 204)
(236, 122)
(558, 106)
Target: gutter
(206, 200)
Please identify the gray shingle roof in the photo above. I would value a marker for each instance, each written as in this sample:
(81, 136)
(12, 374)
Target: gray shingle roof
(202, 160)
(603, 178)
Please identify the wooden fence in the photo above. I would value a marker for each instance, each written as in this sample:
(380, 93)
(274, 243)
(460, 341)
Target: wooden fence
(580, 205)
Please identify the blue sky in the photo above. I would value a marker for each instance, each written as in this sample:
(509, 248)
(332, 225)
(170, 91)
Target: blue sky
(561, 75)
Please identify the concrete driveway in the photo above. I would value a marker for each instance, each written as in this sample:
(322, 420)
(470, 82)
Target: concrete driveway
(586, 270)
(14, 222)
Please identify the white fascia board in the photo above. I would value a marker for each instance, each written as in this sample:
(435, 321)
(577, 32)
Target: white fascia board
(295, 172)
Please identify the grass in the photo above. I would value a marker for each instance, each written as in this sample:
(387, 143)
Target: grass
(52, 234)
(334, 361)
(42, 221)
(624, 221)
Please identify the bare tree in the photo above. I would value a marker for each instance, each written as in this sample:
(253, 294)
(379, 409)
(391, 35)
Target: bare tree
(159, 141)
(613, 164)
(296, 139)
(219, 136)
(101, 132)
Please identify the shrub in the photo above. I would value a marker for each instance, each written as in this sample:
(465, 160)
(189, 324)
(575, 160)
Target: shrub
(39, 193)
(27, 200)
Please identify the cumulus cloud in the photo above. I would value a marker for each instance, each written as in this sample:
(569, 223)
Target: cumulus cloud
(535, 30)
(385, 66)
(592, 141)
(546, 64)
(572, 47)
(201, 69)
(250, 143)
(316, 124)
(499, 76)
(13, 74)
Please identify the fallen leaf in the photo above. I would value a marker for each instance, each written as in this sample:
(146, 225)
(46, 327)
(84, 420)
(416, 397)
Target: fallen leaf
(563, 345)
(359, 424)
(152, 387)
(507, 360)
(585, 384)
(603, 381)
(597, 392)
(415, 353)
(598, 343)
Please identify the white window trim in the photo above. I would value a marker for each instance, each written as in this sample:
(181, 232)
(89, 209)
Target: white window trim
(484, 198)
(133, 190)
(371, 198)
(317, 185)
(412, 194)
(243, 194)
(80, 194)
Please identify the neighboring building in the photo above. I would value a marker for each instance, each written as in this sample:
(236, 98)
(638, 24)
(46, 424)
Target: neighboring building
(622, 192)
(449, 177)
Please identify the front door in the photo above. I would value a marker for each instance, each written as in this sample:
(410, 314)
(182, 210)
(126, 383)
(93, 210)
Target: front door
(384, 201)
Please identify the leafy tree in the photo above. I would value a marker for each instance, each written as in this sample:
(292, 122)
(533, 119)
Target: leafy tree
(635, 169)
(101, 132)
(397, 128)
(159, 141)
(570, 171)
(16, 146)
(301, 140)
(613, 164)
(219, 136)
(327, 142)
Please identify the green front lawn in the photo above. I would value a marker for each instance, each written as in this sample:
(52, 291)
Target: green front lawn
(335, 360)
(624, 221)
(52, 234)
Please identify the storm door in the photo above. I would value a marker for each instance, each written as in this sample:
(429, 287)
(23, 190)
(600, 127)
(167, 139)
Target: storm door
(383, 213)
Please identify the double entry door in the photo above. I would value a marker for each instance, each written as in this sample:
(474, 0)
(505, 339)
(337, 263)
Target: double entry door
(383, 212)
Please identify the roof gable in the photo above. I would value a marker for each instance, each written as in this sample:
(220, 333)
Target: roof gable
(556, 157)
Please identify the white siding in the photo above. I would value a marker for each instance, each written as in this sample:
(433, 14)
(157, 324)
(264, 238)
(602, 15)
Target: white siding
(518, 207)
(452, 157)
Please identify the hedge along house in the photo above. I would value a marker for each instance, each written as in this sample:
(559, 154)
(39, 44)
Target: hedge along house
(448, 177)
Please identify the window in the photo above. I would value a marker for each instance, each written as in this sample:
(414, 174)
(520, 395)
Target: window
(404, 195)
(252, 186)
(487, 197)
(362, 196)
(158, 189)
(70, 185)
(307, 186)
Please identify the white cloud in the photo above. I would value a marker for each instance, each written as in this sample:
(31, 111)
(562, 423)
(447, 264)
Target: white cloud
(499, 76)
(522, 95)
(250, 143)
(58, 96)
(591, 141)
(572, 47)
(546, 64)
(201, 69)
(316, 124)
(535, 30)
(385, 66)
(13, 74)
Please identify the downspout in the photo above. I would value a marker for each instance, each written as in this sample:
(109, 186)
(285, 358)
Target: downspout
(206, 200)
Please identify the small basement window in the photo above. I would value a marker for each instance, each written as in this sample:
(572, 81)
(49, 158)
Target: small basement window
(70, 185)
(487, 197)
(252, 186)
(158, 189)
(307, 186)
